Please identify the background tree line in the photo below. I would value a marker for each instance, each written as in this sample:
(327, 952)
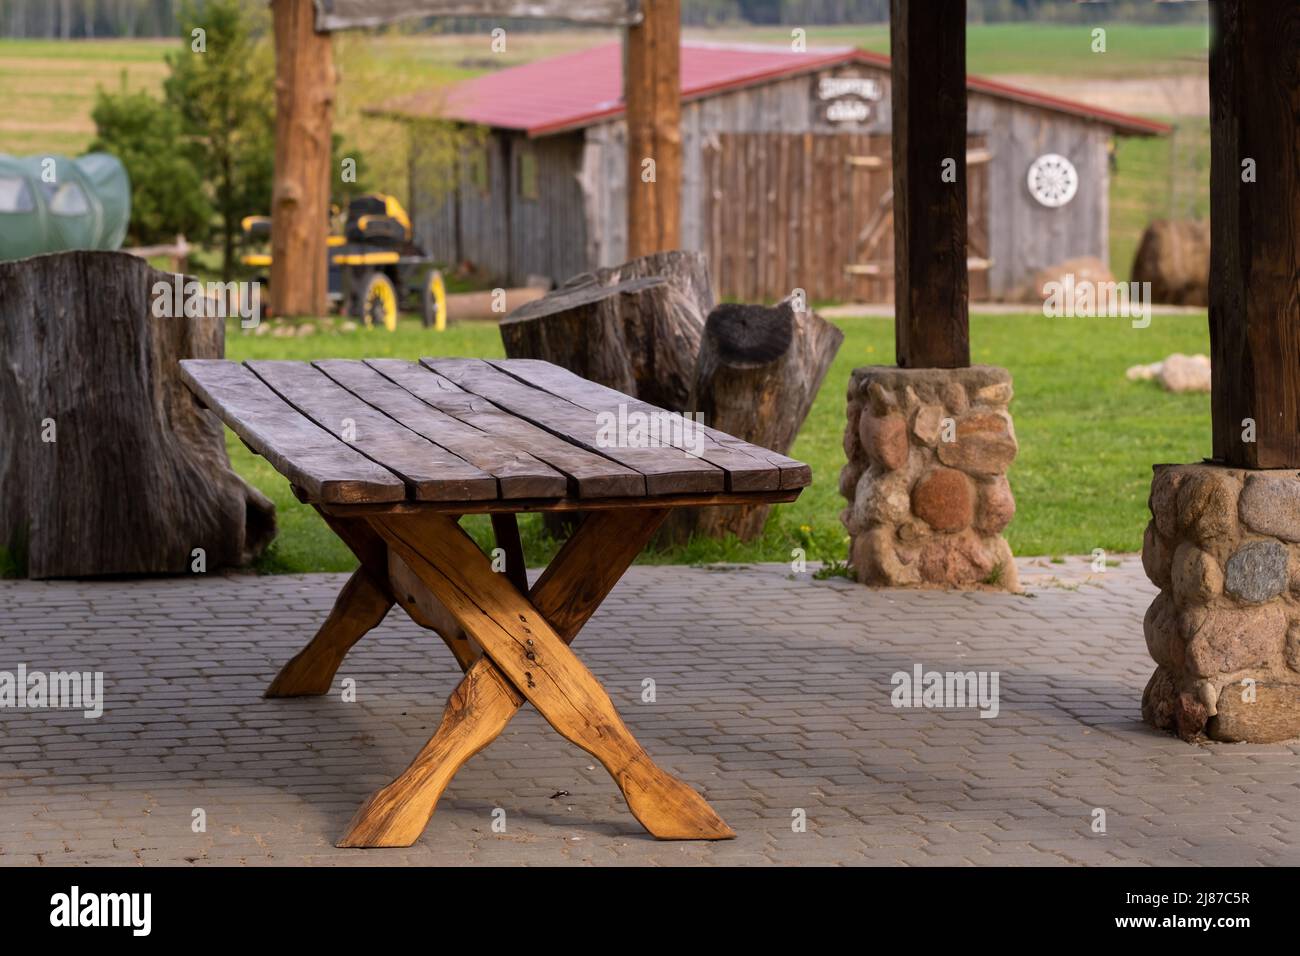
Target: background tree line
(69, 19)
(74, 19)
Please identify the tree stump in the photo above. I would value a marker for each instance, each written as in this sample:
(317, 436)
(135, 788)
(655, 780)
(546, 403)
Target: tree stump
(756, 377)
(687, 271)
(582, 329)
(634, 327)
(108, 465)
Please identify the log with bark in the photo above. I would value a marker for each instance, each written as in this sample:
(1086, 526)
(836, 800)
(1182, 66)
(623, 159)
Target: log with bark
(305, 88)
(108, 465)
(635, 327)
(758, 372)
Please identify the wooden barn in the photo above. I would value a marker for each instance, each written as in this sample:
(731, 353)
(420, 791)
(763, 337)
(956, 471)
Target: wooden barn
(786, 178)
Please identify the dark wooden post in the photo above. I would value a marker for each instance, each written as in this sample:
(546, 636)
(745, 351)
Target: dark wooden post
(304, 124)
(652, 91)
(931, 322)
(1255, 232)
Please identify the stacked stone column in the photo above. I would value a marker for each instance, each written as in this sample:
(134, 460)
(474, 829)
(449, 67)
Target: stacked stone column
(1223, 546)
(928, 451)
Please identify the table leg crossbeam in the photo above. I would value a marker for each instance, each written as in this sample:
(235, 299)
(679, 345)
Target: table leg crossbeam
(513, 646)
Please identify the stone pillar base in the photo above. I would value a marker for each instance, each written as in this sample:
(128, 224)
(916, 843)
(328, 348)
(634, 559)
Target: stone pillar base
(1223, 546)
(928, 451)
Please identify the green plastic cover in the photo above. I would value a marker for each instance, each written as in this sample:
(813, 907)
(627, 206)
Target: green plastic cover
(56, 203)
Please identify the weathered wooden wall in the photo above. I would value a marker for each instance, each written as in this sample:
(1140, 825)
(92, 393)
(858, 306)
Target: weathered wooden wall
(504, 234)
(1020, 235)
(467, 223)
(548, 234)
(795, 210)
(581, 222)
(1024, 235)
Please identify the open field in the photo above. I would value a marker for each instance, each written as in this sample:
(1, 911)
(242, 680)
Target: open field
(1029, 48)
(47, 89)
(1088, 437)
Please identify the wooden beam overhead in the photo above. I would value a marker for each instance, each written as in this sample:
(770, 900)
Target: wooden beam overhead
(652, 90)
(1254, 230)
(928, 47)
(350, 14)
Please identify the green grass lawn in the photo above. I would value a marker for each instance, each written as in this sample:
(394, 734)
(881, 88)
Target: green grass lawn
(1088, 437)
(1157, 178)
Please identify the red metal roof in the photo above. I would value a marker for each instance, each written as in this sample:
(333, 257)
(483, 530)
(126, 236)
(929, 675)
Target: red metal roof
(578, 89)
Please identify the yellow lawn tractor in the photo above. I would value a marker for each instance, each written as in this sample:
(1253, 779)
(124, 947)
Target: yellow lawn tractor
(374, 266)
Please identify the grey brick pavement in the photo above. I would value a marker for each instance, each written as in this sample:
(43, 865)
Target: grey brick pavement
(773, 694)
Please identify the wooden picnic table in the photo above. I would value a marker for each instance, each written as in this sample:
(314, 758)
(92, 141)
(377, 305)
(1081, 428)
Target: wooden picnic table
(392, 453)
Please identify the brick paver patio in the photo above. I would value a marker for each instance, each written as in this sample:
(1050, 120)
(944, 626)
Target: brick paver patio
(771, 695)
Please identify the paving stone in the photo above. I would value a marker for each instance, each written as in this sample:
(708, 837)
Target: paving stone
(773, 693)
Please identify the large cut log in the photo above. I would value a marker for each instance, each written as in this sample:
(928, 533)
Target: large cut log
(758, 371)
(687, 271)
(634, 327)
(108, 465)
(581, 329)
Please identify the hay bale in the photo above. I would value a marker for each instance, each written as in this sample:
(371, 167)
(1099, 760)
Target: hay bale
(1174, 256)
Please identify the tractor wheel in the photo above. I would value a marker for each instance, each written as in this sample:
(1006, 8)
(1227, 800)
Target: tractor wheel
(435, 302)
(379, 303)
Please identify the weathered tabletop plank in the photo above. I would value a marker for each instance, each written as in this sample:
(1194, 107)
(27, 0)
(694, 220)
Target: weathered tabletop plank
(581, 391)
(747, 466)
(326, 469)
(518, 474)
(432, 472)
(591, 476)
(667, 470)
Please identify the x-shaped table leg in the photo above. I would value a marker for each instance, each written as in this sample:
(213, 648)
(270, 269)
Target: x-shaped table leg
(362, 604)
(526, 657)
(366, 598)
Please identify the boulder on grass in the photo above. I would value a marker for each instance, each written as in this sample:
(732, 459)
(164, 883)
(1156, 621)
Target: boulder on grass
(1177, 373)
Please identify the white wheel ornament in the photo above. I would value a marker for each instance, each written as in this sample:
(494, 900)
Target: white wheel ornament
(1053, 180)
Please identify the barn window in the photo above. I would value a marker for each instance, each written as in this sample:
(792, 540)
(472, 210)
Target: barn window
(478, 171)
(528, 174)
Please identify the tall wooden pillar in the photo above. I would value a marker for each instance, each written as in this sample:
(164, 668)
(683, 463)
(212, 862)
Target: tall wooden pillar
(928, 47)
(304, 124)
(1255, 232)
(652, 90)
